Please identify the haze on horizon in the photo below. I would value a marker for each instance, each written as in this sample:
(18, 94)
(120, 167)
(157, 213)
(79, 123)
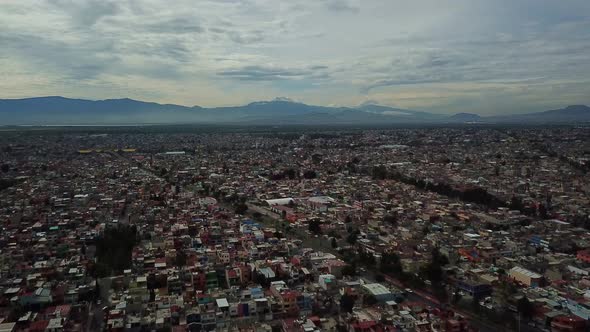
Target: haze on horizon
(480, 56)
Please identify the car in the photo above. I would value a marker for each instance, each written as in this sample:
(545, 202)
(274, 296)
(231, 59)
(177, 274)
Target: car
(408, 290)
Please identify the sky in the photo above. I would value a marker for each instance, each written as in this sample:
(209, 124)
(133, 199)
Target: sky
(444, 56)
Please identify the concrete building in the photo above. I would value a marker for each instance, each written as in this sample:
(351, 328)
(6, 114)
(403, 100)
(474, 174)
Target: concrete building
(525, 277)
(380, 292)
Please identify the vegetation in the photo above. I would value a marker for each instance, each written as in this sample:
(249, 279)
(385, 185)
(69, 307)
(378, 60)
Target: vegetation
(314, 226)
(434, 273)
(391, 264)
(113, 250)
(525, 307)
(6, 183)
(310, 174)
(180, 258)
(352, 237)
(349, 270)
(346, 303)
(241, 208)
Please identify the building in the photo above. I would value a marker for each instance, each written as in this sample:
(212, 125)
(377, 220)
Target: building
(474, 288)
(583, 256)
(381, 293)
(525, 277)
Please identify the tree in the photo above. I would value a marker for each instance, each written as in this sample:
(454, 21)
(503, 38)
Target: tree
(367, 259)
(434, 273)
(180, 258)
(346, 303)
(506, 290)
(347, 219)
(349, 270)
(352, 237)
(391, 264)
(114, 248)
(6, 183)
(163, 172)
(390, 219)
(370, 300)
(379, 172)
(525, 307)
(5, 168)
(543, 211)
(260, 279)
(314, 226)
(334, 243)
(310, 174)
(516, 204)
(316, 158)
(290, 173)
(241, 209)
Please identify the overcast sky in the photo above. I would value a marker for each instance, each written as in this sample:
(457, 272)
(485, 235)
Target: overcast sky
(481, 56)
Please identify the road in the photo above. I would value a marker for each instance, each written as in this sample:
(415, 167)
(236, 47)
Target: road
(319, 243)
(270, 219)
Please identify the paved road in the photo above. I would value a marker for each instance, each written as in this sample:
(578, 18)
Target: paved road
(319, 243)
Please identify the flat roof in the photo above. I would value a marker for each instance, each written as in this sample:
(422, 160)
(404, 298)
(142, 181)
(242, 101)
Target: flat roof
(222, 303)
(377, 289)
(7, 327)
(526, 272)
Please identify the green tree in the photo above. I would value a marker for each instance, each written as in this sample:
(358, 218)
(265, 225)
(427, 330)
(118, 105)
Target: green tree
(181, 258)
(391, 264)
(114, 248)
(346, 303)
(370, 300)
(347, 219)
(368, 259)
(334, 243)
(390, 219)
(352, 237)
(525, 307)
(241, 209)
(314, 226)
(379, 172)
(290, 173)
(310, 174)
(349, 270)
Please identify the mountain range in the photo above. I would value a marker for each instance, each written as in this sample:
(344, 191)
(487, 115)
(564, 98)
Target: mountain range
(281, 111)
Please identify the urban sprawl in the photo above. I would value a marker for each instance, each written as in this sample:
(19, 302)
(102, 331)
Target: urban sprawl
(434, 229)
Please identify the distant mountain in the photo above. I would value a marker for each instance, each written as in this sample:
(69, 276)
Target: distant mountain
(465, 117)
(60, 110)
(65, 111)
(569, 114)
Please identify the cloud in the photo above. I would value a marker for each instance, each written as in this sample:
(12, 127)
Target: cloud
(324, 52)
(260, 73)
(176, 25)
(342, 6)
(273, 73)
(246, 38)
(80, 62)
(87, 12)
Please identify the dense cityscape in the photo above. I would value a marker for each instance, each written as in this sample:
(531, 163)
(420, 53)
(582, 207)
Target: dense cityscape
(462, 228)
